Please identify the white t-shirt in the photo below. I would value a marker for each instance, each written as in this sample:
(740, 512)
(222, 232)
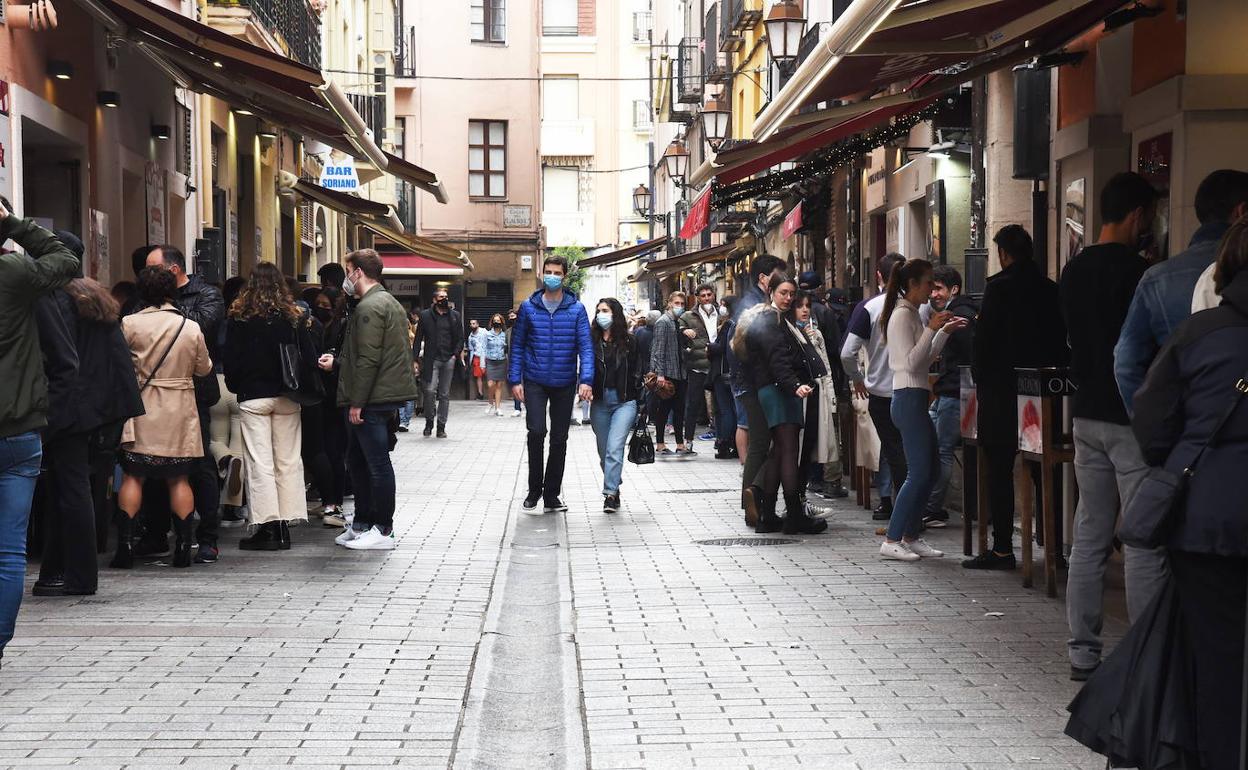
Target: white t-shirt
(1205, 296)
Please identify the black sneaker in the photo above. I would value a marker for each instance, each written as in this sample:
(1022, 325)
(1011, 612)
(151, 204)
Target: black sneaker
(232, 516)
(936, 519)
(555, 505)
(147, 547)
(207, 553)
(1080, 674)
(611, 504)
(883, 511)
(835, 490)
(441, 431)
(991, 560)
(530, 503)
(403, 429)
(428, 431)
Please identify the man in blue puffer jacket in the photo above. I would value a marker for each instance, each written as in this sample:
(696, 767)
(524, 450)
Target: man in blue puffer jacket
(550, 336)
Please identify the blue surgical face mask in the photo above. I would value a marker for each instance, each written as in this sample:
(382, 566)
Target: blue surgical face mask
(803, 324)
(678, 310)
(604, 320)
(552, 282)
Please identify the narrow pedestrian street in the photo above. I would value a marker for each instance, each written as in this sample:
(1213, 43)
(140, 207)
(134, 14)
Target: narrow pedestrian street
(491, 638)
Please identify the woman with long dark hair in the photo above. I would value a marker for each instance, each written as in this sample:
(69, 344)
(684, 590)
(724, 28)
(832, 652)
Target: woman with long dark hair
(260, 322)
(167, 350)
(783, 367)
(617, 386)
(912, 347)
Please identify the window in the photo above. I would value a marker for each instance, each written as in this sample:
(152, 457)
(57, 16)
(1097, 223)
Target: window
(560, 97)
(641, 26)
(559, 17)
(487, 159)
(561, 190)
(642, 116)
(488, 20)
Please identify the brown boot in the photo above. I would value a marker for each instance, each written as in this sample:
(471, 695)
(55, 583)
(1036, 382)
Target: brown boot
(750, 502)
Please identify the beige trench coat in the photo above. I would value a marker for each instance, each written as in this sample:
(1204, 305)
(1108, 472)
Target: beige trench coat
(170, 427)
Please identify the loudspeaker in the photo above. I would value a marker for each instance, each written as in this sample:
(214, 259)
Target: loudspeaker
(1031, 123)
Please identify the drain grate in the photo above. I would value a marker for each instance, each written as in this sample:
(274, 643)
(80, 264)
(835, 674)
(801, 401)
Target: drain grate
(748, 541)
(703, 491)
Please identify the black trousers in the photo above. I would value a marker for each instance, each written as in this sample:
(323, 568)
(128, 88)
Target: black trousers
(758, 443)
(69, 523)
(1211, 592)
(695, 402)
(547, 481)
(334, 424)
(674, 406)
(891, 450)
(312, 450)
(811, 470)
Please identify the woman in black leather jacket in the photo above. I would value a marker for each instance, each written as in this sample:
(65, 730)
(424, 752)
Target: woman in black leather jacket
(617, 386)
(783, 367)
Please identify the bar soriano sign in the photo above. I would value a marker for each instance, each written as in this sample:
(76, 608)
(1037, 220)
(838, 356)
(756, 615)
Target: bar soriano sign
(340, 177)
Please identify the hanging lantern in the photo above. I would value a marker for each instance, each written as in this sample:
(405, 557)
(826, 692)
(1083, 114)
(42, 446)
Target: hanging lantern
(641, 200)
(785, 28)
(715, 120)
(676, 161)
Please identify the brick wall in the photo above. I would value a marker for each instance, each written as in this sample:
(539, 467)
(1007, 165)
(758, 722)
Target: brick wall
(585, 17)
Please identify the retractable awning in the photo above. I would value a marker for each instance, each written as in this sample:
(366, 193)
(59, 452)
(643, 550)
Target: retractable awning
(278, 89)
(414, 243)
(416, 264)
(625, 254)
(877, 43)
(343, 203)
(662, 268)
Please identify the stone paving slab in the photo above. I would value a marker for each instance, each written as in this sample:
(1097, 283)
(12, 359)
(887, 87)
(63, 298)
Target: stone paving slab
(807, 655)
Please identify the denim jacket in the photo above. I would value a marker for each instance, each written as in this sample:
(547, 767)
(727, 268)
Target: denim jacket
(495, 346)
(1162, 301)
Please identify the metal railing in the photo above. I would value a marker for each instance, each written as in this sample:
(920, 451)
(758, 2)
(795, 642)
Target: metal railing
(292, 21)
(730, 12)
(372, 108)
(642, 21)
(643, 116)
(689, 71)
(405, 204)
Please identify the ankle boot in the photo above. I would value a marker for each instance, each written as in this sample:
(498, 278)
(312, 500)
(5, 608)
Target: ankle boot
(768, 521)
(124, 556)
(750, 502)
(797, 521)
(182, 544)
(283, 536)
(265, 538)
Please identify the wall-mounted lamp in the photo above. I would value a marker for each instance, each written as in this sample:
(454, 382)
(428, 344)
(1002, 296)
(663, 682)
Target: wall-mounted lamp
(60, 69)
(267, 133)
(108, 98)
(243, 111)
(160, 131)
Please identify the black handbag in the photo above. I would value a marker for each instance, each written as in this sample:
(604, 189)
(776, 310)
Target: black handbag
(640, 445)
(300, 381)
(1160, 499)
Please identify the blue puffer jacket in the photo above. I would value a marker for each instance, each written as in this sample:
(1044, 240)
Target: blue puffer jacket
(545, 346)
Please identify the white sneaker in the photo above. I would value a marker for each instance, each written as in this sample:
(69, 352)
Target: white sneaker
(921, 548)
(888, 550)
(372, 540)
(517, 413)
(348, 534)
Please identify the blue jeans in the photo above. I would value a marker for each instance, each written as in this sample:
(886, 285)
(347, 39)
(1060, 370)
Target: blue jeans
(372, 475)
(726, 411)
(406, 412)
(944, 413)
(613, 422)
(918, 440)
(20, 456)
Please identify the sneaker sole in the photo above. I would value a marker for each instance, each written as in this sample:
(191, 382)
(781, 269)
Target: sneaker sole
(352, 545)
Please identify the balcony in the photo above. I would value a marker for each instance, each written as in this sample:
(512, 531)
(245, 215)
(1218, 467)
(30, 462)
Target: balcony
(568, 138)
(642, 23)
(689, 71)
(643, 116)
(288, 27)
(730, 37)
(372, 108)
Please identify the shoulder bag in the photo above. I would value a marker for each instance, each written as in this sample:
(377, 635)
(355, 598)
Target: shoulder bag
(640, 445)
(1161, 498)
(300, 382)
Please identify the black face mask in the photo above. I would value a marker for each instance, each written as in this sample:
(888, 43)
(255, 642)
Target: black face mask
(443, 302)
(498, 326)
(323, 314)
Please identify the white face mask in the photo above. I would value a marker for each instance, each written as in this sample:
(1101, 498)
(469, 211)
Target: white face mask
(348, 285)
(708, 308)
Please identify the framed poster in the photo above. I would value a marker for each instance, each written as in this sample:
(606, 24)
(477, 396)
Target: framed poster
(1073, 222)
(98, 261)
(155, 198)
(231, 258)
(935, 203)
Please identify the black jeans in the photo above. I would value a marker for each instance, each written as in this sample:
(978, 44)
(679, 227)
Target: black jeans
(759, 441)
(69, 523)
(695, 402)
(334, 422)
(205, 481)
(675, 407)
(891, 450)
(537, 398)
(312, 450)
(372, 474)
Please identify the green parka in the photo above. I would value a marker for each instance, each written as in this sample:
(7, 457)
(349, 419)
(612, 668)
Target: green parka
(376, 362)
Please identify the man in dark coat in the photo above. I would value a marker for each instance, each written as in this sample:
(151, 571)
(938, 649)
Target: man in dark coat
(202, 303)
(1019, 326)
(439, 344)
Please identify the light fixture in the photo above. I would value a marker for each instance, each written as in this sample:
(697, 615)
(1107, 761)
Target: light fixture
(243, 111)
(676, 161)
(786, 165)
(218, 64)
(785, 27)
(60, 69)
(715, 120)
(160, 131)
(108, 98)
(268, 133)
(641, 200)
(941, 149)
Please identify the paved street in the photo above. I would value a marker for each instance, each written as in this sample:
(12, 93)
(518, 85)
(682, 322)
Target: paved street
(495, 639)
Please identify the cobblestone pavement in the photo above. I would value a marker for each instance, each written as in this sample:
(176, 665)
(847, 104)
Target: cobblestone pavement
(813, 654)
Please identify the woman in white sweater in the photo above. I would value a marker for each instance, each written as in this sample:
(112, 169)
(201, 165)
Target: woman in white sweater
(912, 347)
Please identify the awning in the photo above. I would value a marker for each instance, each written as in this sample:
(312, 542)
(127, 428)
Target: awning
(876, 43)
(415, 244)
(625, 254)
(278, 89)
(343, 203)
(415, 264)
(662, 268)
(419, 177)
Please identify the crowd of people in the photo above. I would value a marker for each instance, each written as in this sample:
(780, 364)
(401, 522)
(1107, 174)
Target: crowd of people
(182, 404)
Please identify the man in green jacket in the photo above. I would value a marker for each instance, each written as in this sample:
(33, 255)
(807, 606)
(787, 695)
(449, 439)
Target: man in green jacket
(46, 265)
(375, 380)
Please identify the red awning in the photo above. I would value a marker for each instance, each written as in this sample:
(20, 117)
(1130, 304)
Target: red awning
(406, 263)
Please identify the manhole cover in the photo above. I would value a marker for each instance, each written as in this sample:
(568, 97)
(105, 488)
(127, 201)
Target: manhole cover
(705, 491)
(750, 541)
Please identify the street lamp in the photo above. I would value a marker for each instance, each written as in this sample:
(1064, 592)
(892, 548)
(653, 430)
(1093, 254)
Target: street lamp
(641, 200)
(715, 116)
(676, 161)
(785, 27)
